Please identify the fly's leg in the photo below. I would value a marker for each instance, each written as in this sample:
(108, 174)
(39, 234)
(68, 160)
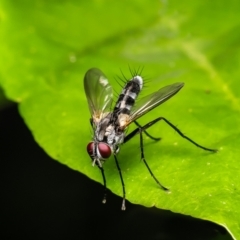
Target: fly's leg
(145, 162)
(123, 186)
(140, 130)
(145, 127)
(150, 136)
(105, 185)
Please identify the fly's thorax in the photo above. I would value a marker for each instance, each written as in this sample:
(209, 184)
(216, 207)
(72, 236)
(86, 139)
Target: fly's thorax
(100, 116)
(101, 127)
(128, 95)
(113, 136)
(119, 138)
(123, 120)
(110, 134)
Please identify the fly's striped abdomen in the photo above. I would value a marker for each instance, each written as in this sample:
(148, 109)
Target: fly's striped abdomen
(128, 96)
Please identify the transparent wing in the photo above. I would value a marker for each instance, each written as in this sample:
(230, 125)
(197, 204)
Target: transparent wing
(153, 100)
(98, 92)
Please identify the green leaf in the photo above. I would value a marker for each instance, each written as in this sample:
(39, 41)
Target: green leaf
(46, 48)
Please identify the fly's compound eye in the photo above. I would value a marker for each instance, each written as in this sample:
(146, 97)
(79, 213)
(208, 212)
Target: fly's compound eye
(90, 149)
(104, 150)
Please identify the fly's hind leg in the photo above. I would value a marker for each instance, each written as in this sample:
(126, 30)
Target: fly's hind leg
(141, 129)
(150, 136)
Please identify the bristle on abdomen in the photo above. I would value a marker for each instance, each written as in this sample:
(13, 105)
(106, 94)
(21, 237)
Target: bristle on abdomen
(129, 94)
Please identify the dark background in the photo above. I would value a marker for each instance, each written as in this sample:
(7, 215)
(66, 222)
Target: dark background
(42, 199)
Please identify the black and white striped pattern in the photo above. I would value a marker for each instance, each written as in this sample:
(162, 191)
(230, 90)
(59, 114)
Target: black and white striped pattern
(128, 96)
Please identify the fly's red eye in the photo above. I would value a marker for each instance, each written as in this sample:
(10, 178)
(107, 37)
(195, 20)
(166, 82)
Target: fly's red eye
(104, 150)
(90, 148)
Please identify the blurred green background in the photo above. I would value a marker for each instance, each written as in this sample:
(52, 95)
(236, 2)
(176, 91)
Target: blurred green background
(46, 48)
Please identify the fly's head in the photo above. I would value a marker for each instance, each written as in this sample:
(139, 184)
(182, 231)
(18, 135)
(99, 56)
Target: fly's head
(99, 151)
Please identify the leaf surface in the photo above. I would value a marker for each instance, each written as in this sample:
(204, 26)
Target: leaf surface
(46, 48)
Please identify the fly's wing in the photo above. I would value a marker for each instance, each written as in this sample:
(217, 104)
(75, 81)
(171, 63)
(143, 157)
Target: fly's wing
(98, 92)
(153, 100)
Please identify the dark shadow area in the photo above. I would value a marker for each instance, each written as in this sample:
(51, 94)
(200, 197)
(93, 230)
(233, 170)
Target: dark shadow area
(42, 199)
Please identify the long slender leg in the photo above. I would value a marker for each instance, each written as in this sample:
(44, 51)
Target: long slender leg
(136, 131)
(156, 139)
(105, 185)
(184, 136)
(123, 186)
(145, 162)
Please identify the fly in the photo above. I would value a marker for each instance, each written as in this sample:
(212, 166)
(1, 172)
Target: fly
(109, 125)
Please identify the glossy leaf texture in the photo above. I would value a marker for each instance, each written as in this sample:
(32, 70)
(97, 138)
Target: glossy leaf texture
(47, 47)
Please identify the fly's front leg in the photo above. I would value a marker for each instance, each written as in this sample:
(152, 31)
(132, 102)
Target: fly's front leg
(123, 186)
(105, 185)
